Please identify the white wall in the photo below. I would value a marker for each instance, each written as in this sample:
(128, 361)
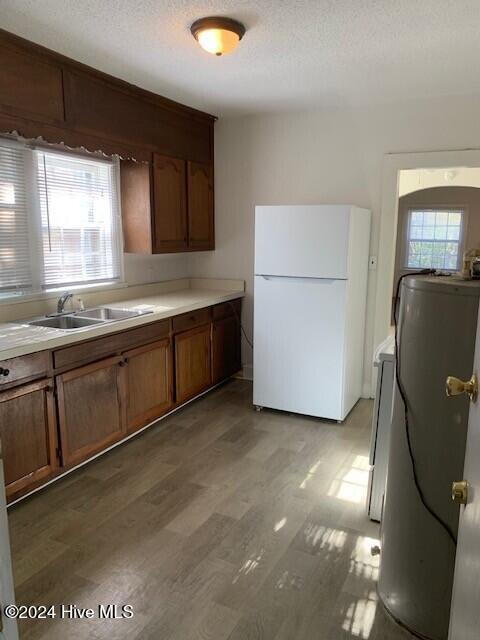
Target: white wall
(411, 180)
(143, 269)
(318, 157)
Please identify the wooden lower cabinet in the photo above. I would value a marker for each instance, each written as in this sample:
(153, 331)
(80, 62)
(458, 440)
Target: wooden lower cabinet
(28, 436)
(192, 362)
(141, 375)
(226, 357)
(149, 383)
(91, 408)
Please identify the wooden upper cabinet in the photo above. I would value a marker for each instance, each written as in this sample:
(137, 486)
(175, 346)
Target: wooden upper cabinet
(200, 206)
(135, 194)
(102, 106)
(167, 206)
(170, 206)
(30, 86)
(91, 409)
(28, 435)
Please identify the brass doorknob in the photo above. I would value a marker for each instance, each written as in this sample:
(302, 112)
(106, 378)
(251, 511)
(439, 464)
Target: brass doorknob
(455, 387)
(460, 492)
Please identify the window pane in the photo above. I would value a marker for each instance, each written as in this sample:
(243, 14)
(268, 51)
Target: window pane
(428, 233)
(80, 223)
(450, 262)
(440, 233)
(453, 233)
(434, 243)
(441, 218)
(417, 218)
(429, 218)
(455, 217)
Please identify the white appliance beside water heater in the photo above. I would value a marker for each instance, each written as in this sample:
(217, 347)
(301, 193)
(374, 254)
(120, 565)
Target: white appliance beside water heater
(311, 268)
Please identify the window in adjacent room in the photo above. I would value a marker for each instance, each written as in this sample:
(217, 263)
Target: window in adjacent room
(434, 239)
(59, 221)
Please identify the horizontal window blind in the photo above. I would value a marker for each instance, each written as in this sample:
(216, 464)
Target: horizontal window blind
(15, 255)
(79, 220)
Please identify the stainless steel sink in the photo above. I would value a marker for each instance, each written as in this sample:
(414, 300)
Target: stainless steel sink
(110, 313)
(65, 322)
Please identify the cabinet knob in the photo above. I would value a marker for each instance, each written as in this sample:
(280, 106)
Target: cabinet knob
(4, 372)
(455, 387)
(460, 492)
(122, 363)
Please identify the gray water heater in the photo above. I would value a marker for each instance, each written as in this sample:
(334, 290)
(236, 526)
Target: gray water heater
(436, 335)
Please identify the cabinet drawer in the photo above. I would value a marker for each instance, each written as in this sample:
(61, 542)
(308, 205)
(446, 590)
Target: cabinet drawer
(112, 344)
(34, 365)
(191, 320)
(226, 309)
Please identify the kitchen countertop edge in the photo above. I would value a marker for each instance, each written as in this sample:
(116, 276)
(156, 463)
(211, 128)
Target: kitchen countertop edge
(49, 341)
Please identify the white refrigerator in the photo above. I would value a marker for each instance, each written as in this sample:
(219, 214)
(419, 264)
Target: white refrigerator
(311, 268)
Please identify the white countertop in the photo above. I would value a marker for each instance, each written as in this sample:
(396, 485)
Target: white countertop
(20, 338)
(385, 350)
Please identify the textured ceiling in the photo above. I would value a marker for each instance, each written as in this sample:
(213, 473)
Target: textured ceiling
(296, 54)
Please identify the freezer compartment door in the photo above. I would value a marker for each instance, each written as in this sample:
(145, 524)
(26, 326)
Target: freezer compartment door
(302, 241)
(299, 328)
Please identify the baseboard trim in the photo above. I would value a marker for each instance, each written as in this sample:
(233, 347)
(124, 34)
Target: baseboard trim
(246, 372)
(115, 444)
(367, 390)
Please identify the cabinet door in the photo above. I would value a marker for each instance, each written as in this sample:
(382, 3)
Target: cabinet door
(200, 206)
(225, 348)
(170, 210)
(30, 86)
(136, 197)
(149, 383)
(28, 435)
(91, 408)
(192, 362)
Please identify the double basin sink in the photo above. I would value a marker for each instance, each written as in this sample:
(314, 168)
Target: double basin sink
(87, 318)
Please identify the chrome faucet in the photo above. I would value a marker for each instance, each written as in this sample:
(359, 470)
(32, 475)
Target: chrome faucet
(62, 301)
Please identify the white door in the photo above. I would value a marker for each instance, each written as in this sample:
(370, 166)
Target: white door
(9, 630)
(299, 336)
(308, 241)
(465, 612)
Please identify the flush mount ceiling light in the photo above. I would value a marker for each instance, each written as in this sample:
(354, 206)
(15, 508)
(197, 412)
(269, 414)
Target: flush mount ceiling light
(217, 35)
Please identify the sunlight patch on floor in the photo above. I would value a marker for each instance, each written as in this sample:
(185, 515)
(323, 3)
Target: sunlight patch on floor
(280, 524)
(352, 483)
(360, 617)
(249, 565)
(310, 474)
(325, 538)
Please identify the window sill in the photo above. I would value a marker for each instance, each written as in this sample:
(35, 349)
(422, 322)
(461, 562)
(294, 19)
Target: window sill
(55, 293)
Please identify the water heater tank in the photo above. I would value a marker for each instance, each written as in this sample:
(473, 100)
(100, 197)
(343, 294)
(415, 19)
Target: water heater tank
(436, 335)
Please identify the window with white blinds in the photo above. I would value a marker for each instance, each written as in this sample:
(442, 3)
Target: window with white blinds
(59, 221)
(15, 264)
(79, 220)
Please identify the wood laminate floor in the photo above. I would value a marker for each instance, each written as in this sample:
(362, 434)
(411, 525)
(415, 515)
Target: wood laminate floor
(217, 523)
